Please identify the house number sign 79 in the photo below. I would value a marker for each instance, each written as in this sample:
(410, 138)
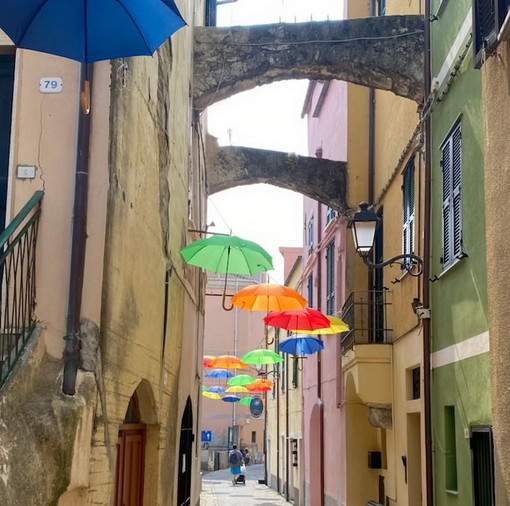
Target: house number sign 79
(50, 84)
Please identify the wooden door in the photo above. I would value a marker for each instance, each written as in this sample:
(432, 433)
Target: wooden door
(130, 465)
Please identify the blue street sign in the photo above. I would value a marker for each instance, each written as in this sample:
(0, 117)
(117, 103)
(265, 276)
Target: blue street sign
(207, 435)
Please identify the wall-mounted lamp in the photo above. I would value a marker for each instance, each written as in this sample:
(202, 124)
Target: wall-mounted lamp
(364, 224)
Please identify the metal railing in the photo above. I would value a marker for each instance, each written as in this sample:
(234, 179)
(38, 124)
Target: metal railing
(367, 316)
(17, 283)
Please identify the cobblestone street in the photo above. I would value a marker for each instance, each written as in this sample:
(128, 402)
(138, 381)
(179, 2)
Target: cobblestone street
(217, 489)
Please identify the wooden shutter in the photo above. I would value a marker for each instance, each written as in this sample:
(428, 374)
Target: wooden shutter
(456, 187)
(482, 447)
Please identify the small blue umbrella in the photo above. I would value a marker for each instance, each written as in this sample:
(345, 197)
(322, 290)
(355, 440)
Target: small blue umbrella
(301, 344)
(219, 373)
(231, 398)
(90, 30)
(217, 389)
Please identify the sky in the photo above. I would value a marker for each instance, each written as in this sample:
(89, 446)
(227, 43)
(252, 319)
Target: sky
(267, 117)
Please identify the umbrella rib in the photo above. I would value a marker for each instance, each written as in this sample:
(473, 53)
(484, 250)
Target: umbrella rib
(32, 21)
(137, 27)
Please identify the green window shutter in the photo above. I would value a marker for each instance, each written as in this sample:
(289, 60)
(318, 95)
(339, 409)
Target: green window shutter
(456, 184)
(446, 163)
(408, 211)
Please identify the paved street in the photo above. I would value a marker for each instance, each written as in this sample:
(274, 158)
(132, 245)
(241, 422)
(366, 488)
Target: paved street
(217, 489)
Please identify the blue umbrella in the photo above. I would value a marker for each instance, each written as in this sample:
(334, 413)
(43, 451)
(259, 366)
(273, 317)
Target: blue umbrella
(219, 373)
(301, 344)
(231, 398)
(217, 389)
(90, 30)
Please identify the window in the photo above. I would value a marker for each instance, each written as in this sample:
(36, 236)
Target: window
(253, 436)
(295, 372)
(309, 238)
(450, 449)
(330, 214)
(482, 448)
(451, 163)
(408, 211)
(309, 290)
(488, 18)
(330, 278)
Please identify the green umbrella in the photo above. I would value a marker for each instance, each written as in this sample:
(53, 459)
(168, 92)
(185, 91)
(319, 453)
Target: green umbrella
(246, 401)
(228, 254)
(261, 356)
(241, 379)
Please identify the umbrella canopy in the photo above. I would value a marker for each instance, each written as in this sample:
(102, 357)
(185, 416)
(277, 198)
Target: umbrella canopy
(301, 345)
(306, 318)
(231, 398)
(236, 388)
(207, 360)
(90, 30)
(260, 357)
(228, 254)
(241, 379)
(216, 389)
(336, 326)
(211, 395)
(229, 362)
(246, 401)
(268, 297)
(219, 373)
(258, 388)
(263, 382)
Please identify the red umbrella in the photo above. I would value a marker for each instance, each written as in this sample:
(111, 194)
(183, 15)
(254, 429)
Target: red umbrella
(294, 319)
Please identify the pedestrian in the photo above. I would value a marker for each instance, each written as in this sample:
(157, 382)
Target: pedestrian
(235, 460)
(246, 457)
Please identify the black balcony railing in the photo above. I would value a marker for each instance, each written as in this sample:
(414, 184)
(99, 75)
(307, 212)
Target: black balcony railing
(17, 283)
(366, 313)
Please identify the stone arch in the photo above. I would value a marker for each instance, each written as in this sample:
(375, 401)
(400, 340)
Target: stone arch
(385, 52)
(146, 402)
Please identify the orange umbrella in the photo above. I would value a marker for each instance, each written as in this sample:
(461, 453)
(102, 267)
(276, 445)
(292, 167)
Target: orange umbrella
(268, 297)
(228, 362)
(261, 382)
(207, 360)
(258, 388)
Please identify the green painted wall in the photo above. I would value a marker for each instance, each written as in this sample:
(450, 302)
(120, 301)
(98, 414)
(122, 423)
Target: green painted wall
(459, 296)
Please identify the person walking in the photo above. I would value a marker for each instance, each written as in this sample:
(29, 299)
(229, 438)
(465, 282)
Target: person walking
(235, 460)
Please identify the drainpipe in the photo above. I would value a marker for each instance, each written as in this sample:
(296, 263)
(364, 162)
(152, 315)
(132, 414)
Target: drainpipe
(287, 431)
(319, 359)
(278, 435)
(427, 408)
(79, 237)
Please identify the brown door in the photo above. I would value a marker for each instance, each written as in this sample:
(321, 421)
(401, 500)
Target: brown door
(130, 465)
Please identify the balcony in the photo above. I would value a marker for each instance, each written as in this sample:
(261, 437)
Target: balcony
(367, 349)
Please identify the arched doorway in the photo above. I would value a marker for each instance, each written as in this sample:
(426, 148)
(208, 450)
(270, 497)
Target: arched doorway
(185, 456)
(130, 457)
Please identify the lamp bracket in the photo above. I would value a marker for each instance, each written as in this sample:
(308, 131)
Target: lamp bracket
(409, 266)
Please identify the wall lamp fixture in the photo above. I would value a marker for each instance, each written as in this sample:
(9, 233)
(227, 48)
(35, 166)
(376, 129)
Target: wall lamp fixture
(364, 224)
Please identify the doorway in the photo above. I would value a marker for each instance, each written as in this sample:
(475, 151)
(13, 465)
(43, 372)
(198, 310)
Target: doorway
(185, 456)
(130, 458)
(7, 62)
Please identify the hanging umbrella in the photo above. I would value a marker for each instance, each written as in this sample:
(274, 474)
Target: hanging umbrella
(306, 318)
(228, 254)
(211, 395)
(258, 388)
(236, 388)
(262, 382)
(268, 297)
(216, 389)
(88, 30)
(246, 401)
(336, 326)
(241, 379)
(261, 356)
(206, 361)
(301, 344)
(229, 362)
(204, 388)
(219, 373)
(231, 398)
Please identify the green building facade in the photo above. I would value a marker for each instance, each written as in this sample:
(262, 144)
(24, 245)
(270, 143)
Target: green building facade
(460, 377)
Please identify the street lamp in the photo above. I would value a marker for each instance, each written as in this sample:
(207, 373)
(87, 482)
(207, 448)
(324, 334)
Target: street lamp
(364, 224)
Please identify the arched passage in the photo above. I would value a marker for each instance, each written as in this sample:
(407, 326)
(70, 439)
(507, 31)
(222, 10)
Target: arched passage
(185, 456)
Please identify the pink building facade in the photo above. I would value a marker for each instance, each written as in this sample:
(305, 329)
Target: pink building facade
(324, 471)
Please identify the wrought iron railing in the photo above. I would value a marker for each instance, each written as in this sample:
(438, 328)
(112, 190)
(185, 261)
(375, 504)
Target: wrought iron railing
(17, 283)
(366, 313)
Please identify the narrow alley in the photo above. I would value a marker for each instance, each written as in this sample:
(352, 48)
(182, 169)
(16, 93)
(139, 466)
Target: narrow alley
(217, 489)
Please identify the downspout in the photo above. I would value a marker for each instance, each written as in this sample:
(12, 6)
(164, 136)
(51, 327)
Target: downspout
(319, 359)
(278, 436)
(287, 452)
(79, 236)
(427, 408)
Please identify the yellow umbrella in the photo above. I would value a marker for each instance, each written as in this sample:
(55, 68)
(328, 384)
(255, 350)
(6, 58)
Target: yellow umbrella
(211, 395)
(236, 388)
(337, 326)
